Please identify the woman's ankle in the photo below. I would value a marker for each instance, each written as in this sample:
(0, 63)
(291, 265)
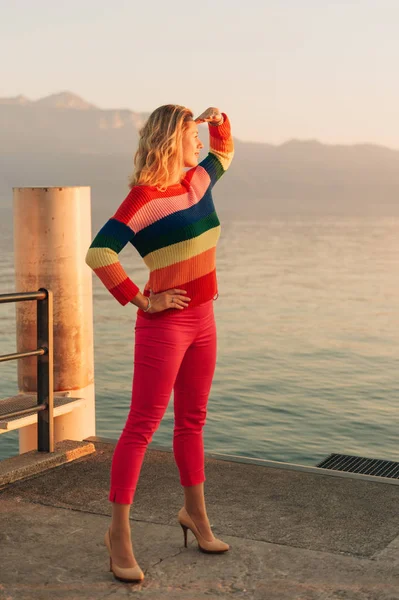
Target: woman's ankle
(120, 531)
(197, 514)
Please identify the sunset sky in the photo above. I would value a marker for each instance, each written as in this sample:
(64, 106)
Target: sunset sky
(281, 69)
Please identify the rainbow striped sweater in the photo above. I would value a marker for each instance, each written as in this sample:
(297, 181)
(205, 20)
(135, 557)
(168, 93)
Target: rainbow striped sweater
(175, 231)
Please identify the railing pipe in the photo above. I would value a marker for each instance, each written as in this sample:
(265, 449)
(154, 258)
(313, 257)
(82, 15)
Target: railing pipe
(25, 411)
(22, 296)
(17, 355)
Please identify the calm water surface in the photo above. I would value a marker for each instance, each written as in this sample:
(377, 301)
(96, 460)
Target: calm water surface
(307, 340)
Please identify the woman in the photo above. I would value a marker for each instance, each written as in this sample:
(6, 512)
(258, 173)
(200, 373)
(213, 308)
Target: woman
(170, 218)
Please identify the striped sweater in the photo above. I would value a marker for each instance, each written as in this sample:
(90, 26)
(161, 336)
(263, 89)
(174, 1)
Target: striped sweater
(175, 231)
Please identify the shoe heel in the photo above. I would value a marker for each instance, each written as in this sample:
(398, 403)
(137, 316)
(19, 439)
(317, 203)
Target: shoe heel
(184, 527)
(110, 564)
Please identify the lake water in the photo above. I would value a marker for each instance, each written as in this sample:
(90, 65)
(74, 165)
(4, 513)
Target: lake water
(308, 326)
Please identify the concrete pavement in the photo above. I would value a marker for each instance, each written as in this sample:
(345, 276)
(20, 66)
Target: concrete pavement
(294, 534)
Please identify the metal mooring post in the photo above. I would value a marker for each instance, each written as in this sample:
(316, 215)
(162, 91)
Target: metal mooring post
(52, 232)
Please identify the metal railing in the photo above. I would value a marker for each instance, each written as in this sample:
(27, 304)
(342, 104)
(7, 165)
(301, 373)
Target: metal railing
(44, 353)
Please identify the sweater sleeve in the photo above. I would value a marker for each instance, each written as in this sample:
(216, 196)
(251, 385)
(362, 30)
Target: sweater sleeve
(102, 255)
(221, 150)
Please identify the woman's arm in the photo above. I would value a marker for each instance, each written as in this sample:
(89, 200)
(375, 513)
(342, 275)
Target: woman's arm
(221, 145)
(102, 255)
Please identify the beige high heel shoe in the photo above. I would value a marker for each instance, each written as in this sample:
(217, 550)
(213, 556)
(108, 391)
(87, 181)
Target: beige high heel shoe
(214, 547)
(127, 575)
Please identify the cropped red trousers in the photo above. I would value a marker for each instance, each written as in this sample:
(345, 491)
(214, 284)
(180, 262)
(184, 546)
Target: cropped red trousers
(176, 351)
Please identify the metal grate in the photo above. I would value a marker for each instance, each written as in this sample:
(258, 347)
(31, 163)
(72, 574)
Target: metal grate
(23, 402)
(359, 464)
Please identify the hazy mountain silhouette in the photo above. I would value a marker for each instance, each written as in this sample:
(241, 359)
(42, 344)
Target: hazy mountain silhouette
(64, 140)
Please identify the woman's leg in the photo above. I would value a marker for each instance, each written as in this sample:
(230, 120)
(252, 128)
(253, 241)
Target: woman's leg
(159, 350)
(122, 550)
(194, 501)
(191, 392)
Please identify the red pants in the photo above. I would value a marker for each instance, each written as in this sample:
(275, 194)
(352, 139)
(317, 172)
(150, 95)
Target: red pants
(176, 350)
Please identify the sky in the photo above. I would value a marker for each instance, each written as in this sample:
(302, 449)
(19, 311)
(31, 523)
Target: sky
(281, 69)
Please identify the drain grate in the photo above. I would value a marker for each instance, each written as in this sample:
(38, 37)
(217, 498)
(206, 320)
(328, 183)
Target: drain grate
(359, 464)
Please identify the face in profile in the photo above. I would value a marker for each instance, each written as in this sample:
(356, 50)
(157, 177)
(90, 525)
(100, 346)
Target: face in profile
(191, 145)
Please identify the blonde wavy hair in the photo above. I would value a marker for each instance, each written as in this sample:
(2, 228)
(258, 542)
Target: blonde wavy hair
(159, 153)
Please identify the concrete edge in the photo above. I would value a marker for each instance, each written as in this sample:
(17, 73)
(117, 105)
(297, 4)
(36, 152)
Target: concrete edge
(273, 464)
(31, 463)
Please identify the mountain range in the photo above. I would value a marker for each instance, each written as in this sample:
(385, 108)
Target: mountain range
(64, 140)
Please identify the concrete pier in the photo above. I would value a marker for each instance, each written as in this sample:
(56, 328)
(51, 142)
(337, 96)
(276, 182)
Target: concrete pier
(294, 535)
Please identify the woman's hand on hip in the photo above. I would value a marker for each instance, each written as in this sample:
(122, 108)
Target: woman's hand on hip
(210, 115)
(169, 299)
